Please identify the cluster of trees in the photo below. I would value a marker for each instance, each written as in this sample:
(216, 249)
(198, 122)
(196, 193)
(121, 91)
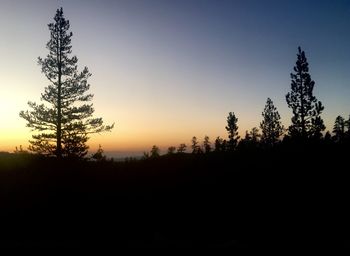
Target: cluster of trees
(271, 127)
(65, 119)
(306, 126)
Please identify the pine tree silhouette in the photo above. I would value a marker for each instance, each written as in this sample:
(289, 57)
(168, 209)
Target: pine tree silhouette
(232, 130)
(206, 144)
(271, 126)
(64, 120)
(339, 129)
(306, 120)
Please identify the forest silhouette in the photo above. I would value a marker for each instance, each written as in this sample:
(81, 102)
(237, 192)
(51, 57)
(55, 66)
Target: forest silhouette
(275, 186)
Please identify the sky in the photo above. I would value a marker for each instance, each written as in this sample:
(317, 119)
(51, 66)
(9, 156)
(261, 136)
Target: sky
(164, 71)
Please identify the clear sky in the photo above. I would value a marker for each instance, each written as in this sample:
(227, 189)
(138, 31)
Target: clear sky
(165, 71)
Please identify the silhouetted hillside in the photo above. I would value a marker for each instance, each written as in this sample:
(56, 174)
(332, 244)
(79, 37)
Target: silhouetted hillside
(286, 195)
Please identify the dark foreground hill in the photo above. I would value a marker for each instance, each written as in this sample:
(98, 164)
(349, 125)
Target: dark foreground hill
(253, 198)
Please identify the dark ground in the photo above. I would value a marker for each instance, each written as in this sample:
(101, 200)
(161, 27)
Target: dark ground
(249, 199)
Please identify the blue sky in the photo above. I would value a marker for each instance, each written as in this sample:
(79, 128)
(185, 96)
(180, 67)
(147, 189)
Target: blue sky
(165, 71)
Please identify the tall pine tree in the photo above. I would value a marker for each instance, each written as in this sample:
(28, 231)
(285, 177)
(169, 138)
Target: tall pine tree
(306, 120)
(64, 121)
(271, 126)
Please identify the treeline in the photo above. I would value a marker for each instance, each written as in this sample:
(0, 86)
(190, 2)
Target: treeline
(253, 139)
(307, 126)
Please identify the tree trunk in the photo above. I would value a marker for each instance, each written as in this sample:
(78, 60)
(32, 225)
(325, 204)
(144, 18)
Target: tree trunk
(303, 128)
(59, 114)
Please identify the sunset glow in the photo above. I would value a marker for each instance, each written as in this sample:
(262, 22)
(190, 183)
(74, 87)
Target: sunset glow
(165, 71)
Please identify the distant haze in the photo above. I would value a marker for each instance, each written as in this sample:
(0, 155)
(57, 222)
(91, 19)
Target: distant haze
(121, 155)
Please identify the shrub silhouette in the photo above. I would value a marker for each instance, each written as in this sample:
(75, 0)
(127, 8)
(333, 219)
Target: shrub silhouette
(182, 148)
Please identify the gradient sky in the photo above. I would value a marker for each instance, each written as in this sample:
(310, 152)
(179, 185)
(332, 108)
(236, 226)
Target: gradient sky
(165, 71)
